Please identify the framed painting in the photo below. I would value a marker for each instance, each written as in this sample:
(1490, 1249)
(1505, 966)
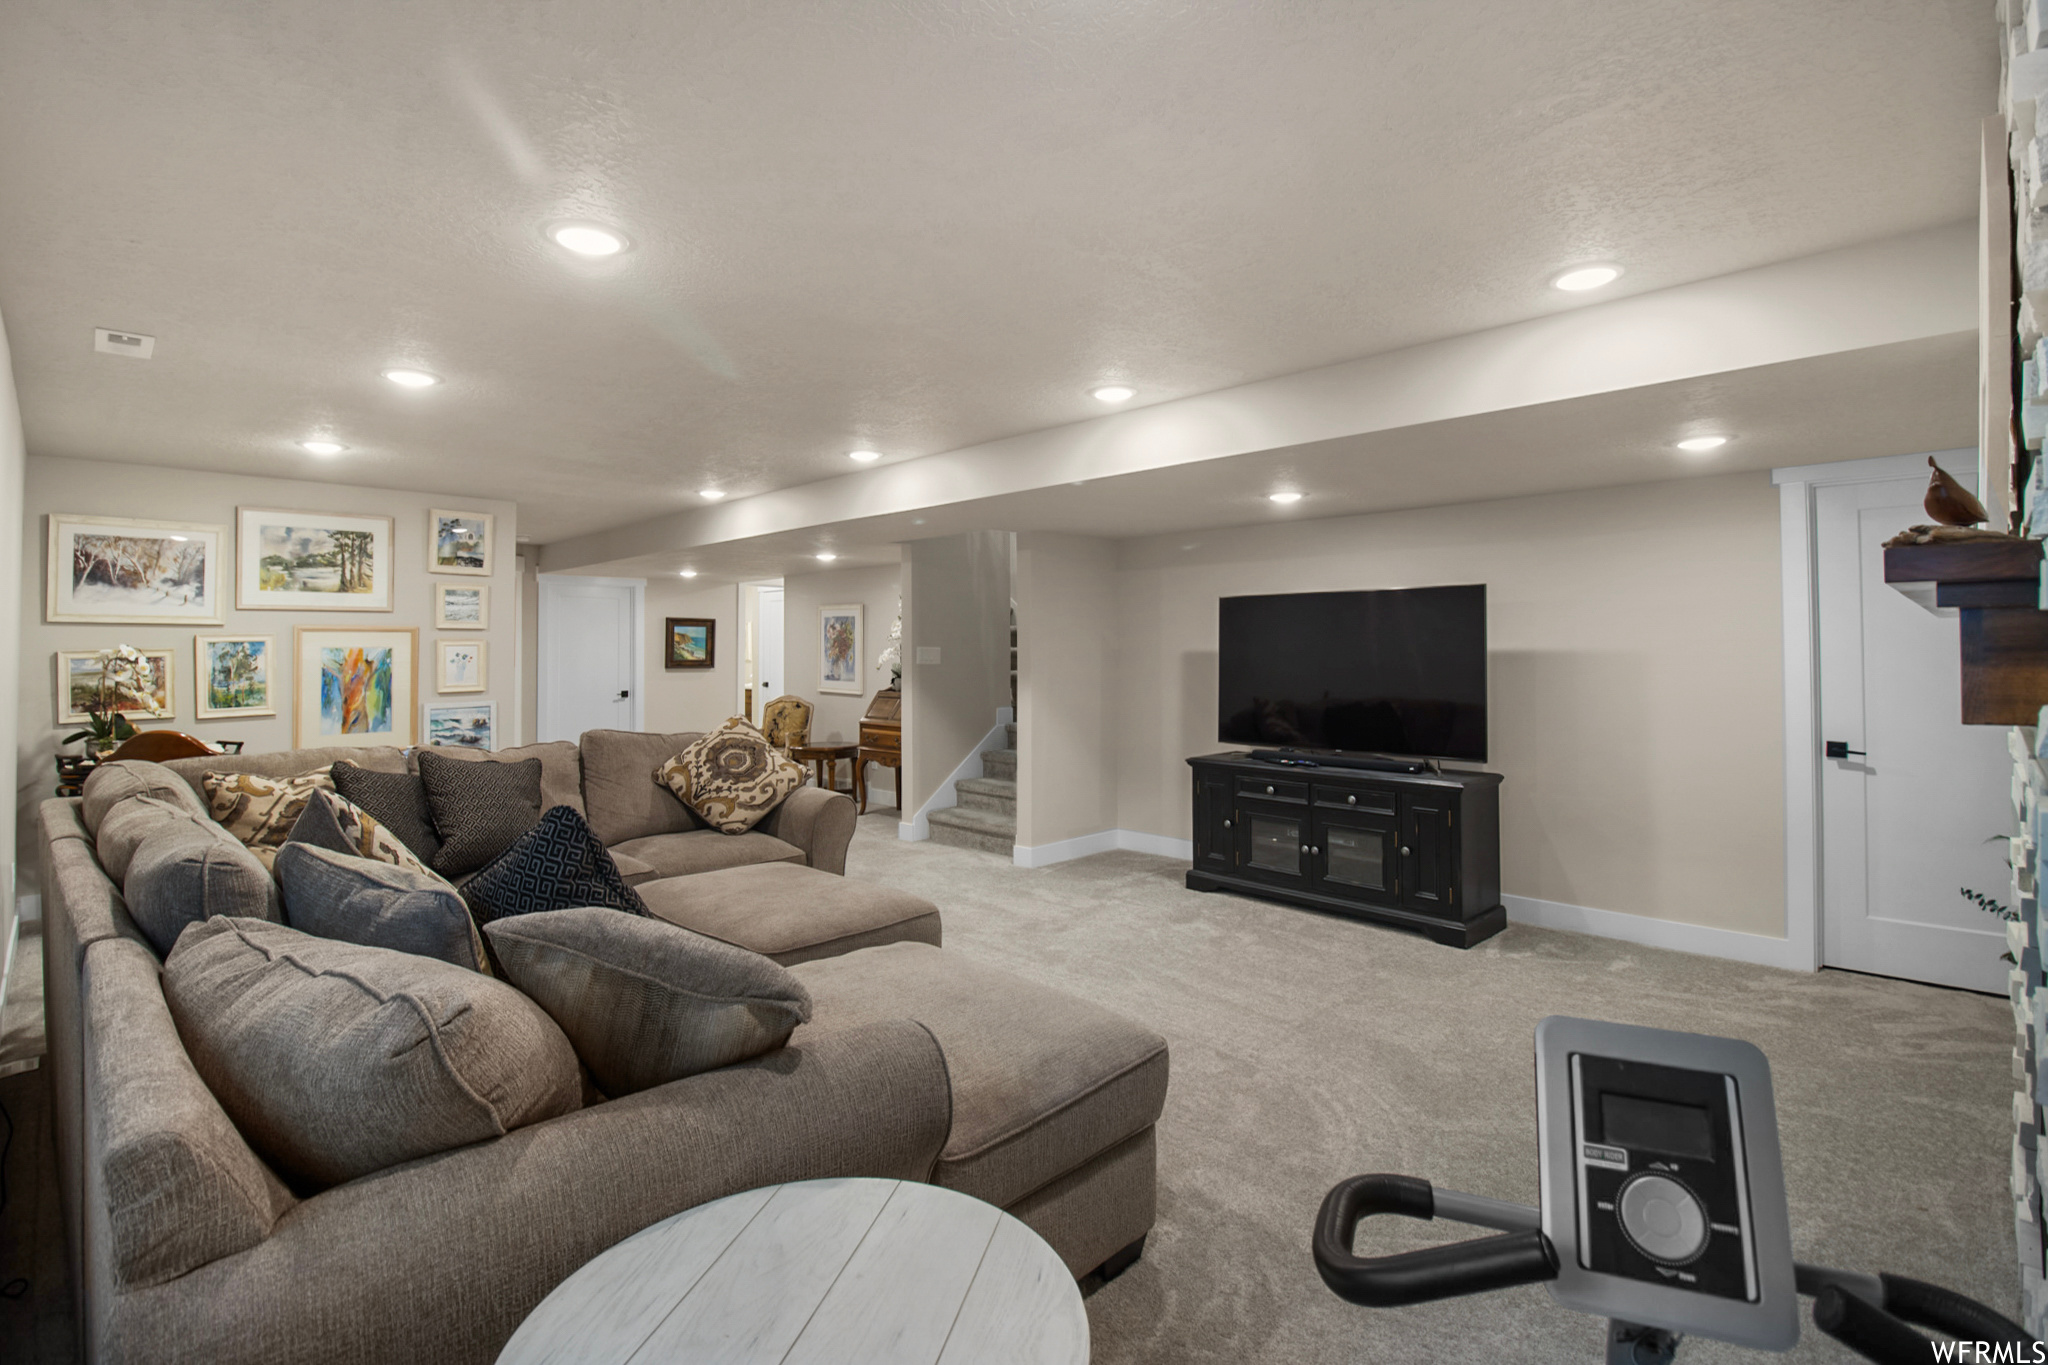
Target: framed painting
(234, 675)
(355, 688)
(311, 561)
(460, 542)
(691, 642)
(462, 606)
(839, 649)
(460, 666)
(78, 685)
(460, 725)
(115, 569)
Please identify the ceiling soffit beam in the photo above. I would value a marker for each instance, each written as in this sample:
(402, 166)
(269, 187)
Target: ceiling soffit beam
(1904, 288)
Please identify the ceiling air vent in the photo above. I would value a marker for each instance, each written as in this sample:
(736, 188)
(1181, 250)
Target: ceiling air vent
(131, 344)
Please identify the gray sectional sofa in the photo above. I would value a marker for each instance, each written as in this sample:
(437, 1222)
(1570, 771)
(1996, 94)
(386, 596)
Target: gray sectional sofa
(917, 1063)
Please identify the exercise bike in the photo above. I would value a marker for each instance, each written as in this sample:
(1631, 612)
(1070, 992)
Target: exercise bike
(1662, 1210)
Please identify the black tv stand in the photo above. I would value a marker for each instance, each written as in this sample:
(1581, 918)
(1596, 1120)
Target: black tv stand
(1309, 758)
(1417, 850)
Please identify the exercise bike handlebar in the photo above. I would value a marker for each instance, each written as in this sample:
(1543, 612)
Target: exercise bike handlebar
(1442, 1272)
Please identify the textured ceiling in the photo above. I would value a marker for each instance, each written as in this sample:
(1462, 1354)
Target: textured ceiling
(915, 226)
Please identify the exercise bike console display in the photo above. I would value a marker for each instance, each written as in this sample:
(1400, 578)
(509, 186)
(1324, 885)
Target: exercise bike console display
(1662, 1190)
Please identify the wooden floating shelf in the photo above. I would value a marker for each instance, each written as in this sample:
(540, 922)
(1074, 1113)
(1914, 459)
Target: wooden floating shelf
(1995, 587)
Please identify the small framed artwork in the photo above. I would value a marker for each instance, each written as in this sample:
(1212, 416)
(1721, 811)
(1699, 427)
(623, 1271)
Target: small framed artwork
(692, 642)
(355, 688)
(81, 679)
(311, 561)
(234, 677)
(115, 569)
(462, 606)
(461, 666)
(460, 542)
(459, 725)
(840, 646)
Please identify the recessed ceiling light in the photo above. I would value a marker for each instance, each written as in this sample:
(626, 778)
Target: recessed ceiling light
(587, 240)
(1699, 443)
(412, 379)
(323, 447)
(1284, 497)
(1116, 393)
(687, 573)
(1586, 277)
(712, 493)
(826, 556)
(863, 456)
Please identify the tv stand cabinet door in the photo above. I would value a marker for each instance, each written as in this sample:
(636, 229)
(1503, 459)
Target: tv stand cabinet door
(1429, 853)
(1356, 856)
(1215, 828)
(1271, 842)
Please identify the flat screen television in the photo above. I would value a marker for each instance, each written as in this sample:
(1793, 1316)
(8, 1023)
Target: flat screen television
(1400, 672)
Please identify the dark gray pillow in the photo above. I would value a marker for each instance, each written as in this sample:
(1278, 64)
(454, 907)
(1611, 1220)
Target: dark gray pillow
(480, 809)
(187, 870)
(379, 905)
(397, 800)
(336, 1060)
(646, 1002)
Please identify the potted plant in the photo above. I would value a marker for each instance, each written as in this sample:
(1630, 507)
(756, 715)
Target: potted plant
(124, 685)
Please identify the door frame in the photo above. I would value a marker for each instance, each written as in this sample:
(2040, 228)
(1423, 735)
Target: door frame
(544, 638)
(1799, 575)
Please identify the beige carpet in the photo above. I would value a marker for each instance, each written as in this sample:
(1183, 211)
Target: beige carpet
(1307, 1048)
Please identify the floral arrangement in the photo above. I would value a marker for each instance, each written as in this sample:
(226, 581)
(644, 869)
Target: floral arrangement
(891, 656)
(126, 684)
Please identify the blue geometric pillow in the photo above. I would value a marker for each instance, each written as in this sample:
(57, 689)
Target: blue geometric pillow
(557, 864)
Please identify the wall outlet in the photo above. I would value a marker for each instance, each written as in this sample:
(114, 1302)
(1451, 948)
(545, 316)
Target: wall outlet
(927, 654)
(131, 344)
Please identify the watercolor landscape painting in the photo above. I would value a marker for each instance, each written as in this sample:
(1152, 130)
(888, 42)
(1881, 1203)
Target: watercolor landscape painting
(459, 542)
(312, 561)
(113, 569)
(471, 726)
(234, 675)
(79, 675)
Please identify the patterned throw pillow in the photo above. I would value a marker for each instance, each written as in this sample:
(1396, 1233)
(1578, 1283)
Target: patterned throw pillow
(260, 811)
(479, 808)
(731, 777)
(397, 800)
(555, 865)
(334, 822)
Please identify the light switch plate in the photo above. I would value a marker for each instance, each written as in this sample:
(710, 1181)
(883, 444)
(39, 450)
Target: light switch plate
(927, 654)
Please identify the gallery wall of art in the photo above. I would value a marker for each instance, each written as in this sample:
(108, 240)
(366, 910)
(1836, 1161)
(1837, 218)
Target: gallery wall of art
(285, 612)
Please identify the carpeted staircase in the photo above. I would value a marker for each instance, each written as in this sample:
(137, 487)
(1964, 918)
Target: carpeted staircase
(986, 817)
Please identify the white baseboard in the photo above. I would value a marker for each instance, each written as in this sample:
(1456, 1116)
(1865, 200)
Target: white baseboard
(918, 826)
(1661, 933)
(1103, 841)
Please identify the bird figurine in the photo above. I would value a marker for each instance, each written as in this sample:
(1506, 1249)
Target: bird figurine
(1948, 502)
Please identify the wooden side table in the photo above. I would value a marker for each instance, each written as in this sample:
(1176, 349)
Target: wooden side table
(823, 757)
(821, 1272)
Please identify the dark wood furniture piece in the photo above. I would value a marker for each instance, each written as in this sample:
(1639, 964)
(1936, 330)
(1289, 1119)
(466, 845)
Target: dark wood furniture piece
(73, 769)
(824, 758)
(1995, 585)
(1420, 851)
(161, 746)
(881, 741)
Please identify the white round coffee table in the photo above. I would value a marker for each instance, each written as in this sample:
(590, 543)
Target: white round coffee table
(821, 1272)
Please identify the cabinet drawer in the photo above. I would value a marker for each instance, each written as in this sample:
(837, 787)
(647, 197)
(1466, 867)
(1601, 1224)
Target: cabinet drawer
(1266, 787)
(1378, 801)
(878, 737)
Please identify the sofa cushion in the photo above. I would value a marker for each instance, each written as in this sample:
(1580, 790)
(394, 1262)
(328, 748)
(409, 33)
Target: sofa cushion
(185, 870)
(1042, 1081)
(109, 784)
(561, 767)
(644, 1002)
(128, 824)
(632, 869)
(622, 797)
(792, 913)
(260, 811)
(333, 822)
(732, 777)
(380, 905)
(706, 850)
(480, 809)
(336, 1060)
(398, 801)
(555, 865)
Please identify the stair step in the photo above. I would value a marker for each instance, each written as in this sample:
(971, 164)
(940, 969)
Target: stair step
(1010, 730)
(999, 763)
(994, 794)
(961, 827)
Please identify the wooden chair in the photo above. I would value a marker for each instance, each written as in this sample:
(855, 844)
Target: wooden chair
(160, 746)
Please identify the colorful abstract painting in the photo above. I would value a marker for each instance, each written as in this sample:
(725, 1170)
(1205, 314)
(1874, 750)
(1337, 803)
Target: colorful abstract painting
(840, 649)
(355, 690)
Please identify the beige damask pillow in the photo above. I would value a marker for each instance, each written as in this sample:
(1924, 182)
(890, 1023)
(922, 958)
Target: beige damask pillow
(260, 811)
(731, 777)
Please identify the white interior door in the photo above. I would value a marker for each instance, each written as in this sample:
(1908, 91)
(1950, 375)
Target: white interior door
(589, 656)
(1905, 821)
(773, 683)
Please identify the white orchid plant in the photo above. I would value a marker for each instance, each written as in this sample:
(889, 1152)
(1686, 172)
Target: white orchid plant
(126, 684)
(891, 656)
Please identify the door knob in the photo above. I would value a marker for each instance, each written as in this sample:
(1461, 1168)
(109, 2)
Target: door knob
(1313, 852)
(623, 694)
(1269, 791)
(1839, 748)
(1226, 824)
(1350, 800)
(1404, 850)
(1304, 848)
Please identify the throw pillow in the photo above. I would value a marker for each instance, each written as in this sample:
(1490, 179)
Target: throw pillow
(332, 821)
(380, 905)
(260, 811)
(399, 803)
(646, 1002)
(732, 777)
(336, 1060)
(108, 785)
(185, 870)
(479, 808)
(555, 865)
